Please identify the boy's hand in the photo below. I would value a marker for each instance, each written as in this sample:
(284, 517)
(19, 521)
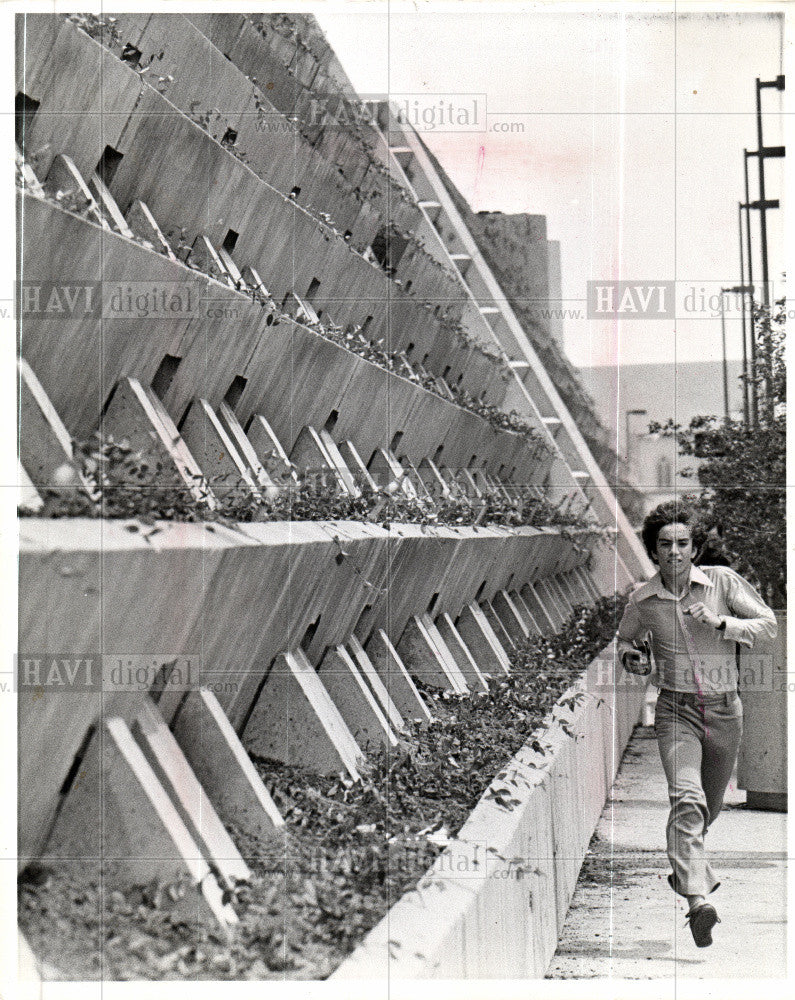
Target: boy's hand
(636, 658)
(701, 613)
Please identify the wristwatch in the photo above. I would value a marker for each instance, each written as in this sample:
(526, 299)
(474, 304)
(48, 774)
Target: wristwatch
(722, 626)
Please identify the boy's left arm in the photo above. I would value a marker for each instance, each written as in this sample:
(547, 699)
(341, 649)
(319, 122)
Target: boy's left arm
(750, 617)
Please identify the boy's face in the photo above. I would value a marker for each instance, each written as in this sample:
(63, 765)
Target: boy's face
(674, 550)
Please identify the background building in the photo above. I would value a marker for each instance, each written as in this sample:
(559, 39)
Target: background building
(631, 397)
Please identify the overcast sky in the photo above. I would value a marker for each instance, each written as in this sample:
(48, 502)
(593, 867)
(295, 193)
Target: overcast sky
(634, 127)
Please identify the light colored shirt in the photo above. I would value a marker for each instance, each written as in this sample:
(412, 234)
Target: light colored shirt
(652, 608)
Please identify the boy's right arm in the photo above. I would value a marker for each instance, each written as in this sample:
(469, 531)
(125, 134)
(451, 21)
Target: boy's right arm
(629, 628)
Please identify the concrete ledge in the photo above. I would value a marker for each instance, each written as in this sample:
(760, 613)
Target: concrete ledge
(493, 903)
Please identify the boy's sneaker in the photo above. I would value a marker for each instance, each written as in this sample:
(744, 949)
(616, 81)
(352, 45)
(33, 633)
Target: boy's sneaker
(702, 919)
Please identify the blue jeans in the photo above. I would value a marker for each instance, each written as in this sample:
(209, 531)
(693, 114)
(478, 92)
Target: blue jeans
(698, 743)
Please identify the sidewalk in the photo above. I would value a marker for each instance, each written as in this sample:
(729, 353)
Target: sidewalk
(625, 922)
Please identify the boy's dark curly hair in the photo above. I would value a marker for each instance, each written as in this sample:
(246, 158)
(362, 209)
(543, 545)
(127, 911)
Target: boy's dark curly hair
(670, 512)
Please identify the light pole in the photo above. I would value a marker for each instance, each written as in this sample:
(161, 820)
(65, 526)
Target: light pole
(737, 290)
(762, 153)
(723, 359)
(752, 336)
(746, 410)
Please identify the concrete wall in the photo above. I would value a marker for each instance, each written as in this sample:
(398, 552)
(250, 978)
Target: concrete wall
(493, 903)
(231, 599)
(191, 183)
(298, 88)
(295, 377)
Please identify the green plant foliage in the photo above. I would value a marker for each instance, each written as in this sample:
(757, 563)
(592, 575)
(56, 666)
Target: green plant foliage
(130, 487)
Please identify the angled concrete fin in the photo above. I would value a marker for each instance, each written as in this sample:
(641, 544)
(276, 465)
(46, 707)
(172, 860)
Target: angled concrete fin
(133, 829)
(382, 696)
(214, 450)
(137, 415)
(461, 654)
(396, 679)
(143, 224)
(355, 700)
(294, 720)
(222, 765)
(171, 766)
(270, 452)
(486, 648)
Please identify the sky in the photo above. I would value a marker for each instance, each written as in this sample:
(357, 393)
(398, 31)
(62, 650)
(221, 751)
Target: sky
(625, 130)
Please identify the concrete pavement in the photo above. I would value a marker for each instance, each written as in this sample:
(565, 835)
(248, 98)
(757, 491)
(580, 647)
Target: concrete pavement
(625, 922)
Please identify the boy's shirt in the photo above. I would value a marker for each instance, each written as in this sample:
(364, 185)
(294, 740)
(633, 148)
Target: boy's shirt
(653, 608)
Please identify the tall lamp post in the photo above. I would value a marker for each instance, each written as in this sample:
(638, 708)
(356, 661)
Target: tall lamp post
(746, 206)
(736, 290)
(723, 358)
(762, 205)
(747, 289)
(762, 153)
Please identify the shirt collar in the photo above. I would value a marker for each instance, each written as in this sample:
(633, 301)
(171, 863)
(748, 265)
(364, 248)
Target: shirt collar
(655, 587)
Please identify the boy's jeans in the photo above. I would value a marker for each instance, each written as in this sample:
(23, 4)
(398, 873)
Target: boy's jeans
(698, 743)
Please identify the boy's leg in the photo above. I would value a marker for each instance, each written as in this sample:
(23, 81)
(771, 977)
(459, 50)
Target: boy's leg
(679, 729)
(723, 732)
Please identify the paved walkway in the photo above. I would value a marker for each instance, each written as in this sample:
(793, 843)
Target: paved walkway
(624, 921)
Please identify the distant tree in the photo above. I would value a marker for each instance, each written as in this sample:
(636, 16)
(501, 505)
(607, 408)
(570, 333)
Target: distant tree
(741, 471)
